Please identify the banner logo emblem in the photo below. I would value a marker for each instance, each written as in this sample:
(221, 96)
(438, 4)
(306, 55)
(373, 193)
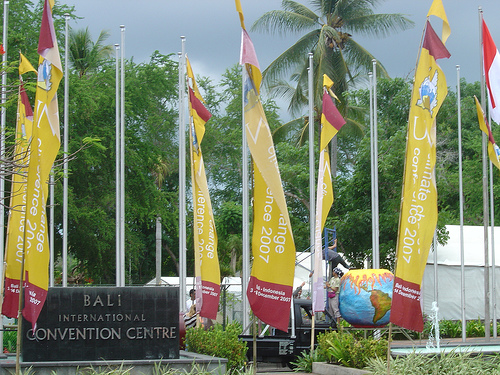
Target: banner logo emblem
(428, 93)
(44, 75)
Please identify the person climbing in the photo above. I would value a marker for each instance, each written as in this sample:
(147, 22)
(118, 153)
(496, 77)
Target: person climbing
(333, 258)
(298, 291)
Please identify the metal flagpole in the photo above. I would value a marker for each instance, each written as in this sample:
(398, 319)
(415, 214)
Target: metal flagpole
(117, 165)
(2, 131)
(460, 187)
(158, 250)
(65, 166)
(436, 278)
(493, 255)
(245, 274)
(51, 225)
(372, 166)
(485, 201)
(2, 142)
(375, 215)
(312, 205)
(122, 156)
(182, 177)
(493, 260)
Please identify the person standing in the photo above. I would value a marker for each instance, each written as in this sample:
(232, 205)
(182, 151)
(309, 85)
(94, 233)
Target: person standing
(333, 294)
(191, 300)
(190, 317)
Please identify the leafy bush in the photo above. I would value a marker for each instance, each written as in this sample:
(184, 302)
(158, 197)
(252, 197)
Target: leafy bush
(453, 328)
(347, 350)
(474, 328)
(219, 343)
(450, 328)
(9, 341)
(305, 360)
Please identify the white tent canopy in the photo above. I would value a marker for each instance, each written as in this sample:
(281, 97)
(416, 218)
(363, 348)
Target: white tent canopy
(449, 274)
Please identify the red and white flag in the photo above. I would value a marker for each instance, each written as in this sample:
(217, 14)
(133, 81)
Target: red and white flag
(491, 61)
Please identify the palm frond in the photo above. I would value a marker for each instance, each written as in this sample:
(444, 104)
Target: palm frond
(289, 130)
(355, 120)
(281, 89)
(303, 136)
(362, 59)
(282, 22)
(300, 97)
(295, 7)
(378, 25)
(104, 50)
(86, 55)
(290, 58)
(349, 9)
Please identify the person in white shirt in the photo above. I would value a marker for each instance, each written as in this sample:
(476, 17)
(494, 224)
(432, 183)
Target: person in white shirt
(191, 300)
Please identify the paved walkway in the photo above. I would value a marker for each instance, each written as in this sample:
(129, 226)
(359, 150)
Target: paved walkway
(276, 369)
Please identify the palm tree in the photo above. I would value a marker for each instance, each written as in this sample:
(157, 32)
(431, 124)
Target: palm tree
(329, 31)
(84, 54)
(329, 37)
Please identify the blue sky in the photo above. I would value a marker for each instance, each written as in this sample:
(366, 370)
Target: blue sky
(212, 32)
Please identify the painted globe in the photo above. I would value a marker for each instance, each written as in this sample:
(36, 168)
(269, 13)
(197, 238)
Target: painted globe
(365, 297)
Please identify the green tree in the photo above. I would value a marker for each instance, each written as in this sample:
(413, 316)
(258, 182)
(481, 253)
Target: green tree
(151, 93)
(86, 55)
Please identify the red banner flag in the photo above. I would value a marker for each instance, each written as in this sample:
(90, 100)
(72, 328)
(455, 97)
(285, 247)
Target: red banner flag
(207, 270)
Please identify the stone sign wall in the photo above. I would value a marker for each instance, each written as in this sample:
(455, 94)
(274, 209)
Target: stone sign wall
(94, 323)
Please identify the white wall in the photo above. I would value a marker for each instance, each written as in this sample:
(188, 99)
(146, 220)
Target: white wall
(449, 274)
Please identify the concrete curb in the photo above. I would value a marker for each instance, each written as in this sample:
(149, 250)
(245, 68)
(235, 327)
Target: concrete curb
(321, 368)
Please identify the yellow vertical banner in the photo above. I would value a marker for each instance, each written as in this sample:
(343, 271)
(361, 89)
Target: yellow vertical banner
(44, 147)
(207, 270)
(493, 149)
(271, 280)
(14, 244)
(418, 215)
(270, 286)
(331, 122)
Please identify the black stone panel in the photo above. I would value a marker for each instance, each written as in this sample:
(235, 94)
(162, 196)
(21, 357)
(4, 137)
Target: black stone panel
(94, 323)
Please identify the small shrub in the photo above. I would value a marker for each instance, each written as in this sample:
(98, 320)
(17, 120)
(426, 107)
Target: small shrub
(9, 341)
(346, 350)
(474, 328)
(450, 328)
(305, 360)
(219, 343)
